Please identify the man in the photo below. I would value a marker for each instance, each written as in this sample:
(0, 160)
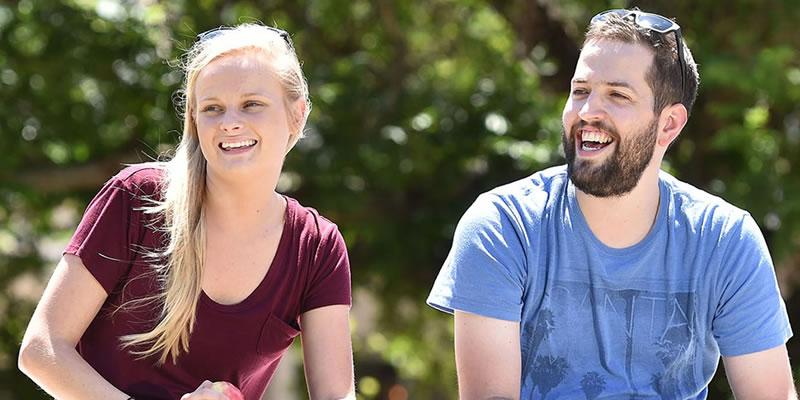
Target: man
(608, 278)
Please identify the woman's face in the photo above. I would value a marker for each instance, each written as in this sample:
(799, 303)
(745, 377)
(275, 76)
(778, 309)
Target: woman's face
(242, 119)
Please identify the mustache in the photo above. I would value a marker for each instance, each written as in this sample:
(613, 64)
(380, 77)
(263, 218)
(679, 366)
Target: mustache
(601, 125)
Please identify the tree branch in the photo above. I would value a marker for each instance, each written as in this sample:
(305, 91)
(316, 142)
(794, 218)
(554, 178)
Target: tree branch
(533, 25)
(54, 178)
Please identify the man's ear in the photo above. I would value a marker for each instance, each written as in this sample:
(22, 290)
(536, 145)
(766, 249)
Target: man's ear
(297, 121)
(670, 123)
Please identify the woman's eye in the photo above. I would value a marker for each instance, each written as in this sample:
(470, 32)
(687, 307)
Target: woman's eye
(211, 108)
(579, 91)
(253, 104)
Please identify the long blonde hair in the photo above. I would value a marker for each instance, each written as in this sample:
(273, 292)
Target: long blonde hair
(184, 187)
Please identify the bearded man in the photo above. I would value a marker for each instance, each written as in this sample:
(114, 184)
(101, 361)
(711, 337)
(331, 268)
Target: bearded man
(608, 277)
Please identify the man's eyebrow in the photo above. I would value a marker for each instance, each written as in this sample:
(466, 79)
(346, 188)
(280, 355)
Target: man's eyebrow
(622, 84)
(619, 84)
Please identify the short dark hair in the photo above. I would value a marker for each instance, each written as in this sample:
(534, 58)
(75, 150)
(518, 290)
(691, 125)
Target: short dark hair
(664, 75)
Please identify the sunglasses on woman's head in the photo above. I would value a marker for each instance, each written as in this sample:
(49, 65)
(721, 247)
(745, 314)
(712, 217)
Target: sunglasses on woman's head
(211, 33)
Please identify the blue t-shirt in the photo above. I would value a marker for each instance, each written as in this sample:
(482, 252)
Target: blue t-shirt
(646, 321)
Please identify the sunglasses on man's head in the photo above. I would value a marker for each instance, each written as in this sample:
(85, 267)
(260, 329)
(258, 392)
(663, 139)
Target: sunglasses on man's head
(211, 33)
(655, 23)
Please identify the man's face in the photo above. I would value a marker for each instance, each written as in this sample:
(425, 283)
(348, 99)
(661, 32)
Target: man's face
(609, 129)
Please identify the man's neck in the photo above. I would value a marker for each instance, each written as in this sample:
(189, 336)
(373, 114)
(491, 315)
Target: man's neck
(623, 221)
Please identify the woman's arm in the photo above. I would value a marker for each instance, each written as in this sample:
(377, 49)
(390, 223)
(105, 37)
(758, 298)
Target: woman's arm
(327, 352)
(69, 304)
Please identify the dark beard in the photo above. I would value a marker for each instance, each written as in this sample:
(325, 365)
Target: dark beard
(621, 171)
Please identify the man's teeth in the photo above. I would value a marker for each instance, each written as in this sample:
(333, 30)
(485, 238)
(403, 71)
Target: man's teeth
(236, 145)
(595, 136)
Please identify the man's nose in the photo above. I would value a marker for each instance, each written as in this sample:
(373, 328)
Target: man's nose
(592, 108)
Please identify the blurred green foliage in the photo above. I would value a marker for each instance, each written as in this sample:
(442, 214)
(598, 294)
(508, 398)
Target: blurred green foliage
(418, 108)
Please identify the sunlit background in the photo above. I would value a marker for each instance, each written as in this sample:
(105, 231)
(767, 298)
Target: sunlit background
(418, 106)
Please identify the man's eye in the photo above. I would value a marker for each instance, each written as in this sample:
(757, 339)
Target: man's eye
(619, 96)
(579, 92)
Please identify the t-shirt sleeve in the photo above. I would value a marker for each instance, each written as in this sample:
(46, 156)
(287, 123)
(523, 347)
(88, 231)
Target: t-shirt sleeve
(103, 237)
(751, 315)
(330, 273)
(485, 271)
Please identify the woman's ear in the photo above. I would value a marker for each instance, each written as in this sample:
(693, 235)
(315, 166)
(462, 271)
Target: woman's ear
(671, 122)
(297, 121)
(190, 111)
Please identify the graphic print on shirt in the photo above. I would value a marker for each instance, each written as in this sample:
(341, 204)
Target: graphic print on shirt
(592, 384)
(592, 339)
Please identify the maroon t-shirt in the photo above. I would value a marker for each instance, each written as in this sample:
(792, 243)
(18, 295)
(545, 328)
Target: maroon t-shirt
(240, 343)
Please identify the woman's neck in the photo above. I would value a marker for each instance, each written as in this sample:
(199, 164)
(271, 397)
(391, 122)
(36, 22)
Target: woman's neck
(242, 207)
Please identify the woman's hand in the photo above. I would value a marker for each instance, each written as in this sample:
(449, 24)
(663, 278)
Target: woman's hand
(205, 391)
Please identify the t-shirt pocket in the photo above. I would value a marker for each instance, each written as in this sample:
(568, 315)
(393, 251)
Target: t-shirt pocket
(276, 336)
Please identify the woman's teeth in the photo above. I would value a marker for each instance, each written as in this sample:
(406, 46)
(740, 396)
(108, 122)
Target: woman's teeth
(236, 145)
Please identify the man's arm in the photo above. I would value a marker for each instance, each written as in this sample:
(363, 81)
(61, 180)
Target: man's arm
(761, 375)
(487, 357)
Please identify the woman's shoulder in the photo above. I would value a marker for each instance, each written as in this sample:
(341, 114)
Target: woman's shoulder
(143, 178)
(142, 172)
(308, 221)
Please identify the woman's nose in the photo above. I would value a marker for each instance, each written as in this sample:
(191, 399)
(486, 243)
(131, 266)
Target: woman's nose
(231, 122)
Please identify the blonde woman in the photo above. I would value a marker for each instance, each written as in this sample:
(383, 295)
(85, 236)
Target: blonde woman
(196, 270)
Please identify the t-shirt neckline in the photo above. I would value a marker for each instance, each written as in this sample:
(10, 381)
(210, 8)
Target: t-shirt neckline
(576, 214)
(278, 262)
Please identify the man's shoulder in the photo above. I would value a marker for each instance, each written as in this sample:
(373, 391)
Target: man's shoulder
(539, 186)
(696, 204)
(526, 202)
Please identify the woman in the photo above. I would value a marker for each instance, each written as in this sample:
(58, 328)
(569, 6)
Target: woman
(196, 270)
